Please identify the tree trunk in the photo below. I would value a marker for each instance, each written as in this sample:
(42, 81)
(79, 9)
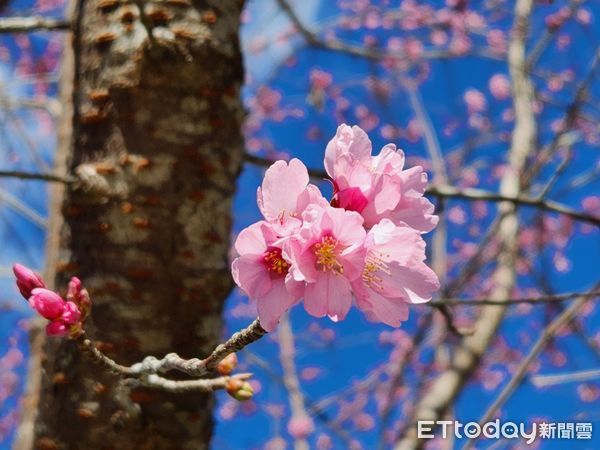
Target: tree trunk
(157, 145)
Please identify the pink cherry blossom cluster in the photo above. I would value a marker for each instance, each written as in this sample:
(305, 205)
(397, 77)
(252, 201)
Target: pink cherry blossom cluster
(366, 243)
(66, 316)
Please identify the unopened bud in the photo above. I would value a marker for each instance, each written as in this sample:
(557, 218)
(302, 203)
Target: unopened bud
(227, 364)
(239, 389)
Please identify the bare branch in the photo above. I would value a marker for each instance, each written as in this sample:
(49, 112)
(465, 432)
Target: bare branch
(571, 377)
(199, 367)
(193, 367)
(182, 386)
(336, 45)
(549, 332)
(290, 376)
(473, 194)
(436, 400)
(92, 352)
(544, 299)
(30, 24)
(23, 209)
(36, 176)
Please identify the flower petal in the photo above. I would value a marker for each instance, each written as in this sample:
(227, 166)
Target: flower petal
(251, 275)
(274, 304)
(329, 295)
(282, 185)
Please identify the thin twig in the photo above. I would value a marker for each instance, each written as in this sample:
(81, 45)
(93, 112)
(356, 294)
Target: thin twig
(193, 367)
(183, 386)
(375, 54)
(199, 367)
(290, 376)
(473, 194)
(547, 335)
(30, 24)
(434, 402)
(560, 378)
(529, 300)
(36, 176)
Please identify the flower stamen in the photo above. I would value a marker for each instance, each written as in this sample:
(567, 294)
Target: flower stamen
(327, 252)
(275, 262)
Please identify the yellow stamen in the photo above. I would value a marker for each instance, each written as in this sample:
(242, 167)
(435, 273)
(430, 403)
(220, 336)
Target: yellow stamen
(327, 252)
(275, 262)
(374, 269)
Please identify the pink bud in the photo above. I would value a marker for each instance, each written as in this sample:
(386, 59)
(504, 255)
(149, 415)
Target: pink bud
(27, 280)
(57, 329)
(300, 427)
(48, 304)
(71, 313)
(77, 294)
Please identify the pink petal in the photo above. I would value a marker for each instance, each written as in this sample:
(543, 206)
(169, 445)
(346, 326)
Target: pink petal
(47, 303)
(350, 142)
(27, 280)
(251, 275)
(351, 199)
(418, 282)
(417, 212)
(392, 312)
(274, 304)
(71, 313)
(282, 185)
(329, 295)
(251, 240)
(57, 329)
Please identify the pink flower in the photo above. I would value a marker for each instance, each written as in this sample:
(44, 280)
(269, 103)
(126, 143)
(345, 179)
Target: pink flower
(500, 86)
(27, 280)
(65, 316)
(285, 193)
(300, 427)
(394, 273)
(262, 272)
(475, 101)
(327, 254)
(377, 187)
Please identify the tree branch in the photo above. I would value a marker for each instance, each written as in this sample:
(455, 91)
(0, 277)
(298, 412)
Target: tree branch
(336, 45)
(528, 300)
(31, 24)
(549, 332)
(290, 376)
(474, 194)
(193, 367)
(436, 400)
(154, 381)
(36, 176)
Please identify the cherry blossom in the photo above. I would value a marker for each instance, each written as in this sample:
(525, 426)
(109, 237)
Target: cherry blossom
(262, 272)
(327, 254)
(394, 273)
(377, 187)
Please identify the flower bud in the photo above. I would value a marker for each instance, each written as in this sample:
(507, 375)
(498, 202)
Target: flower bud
(57, 329)
(77, 294)
(48, 304)
(227, 364)
(239, 389)
(27, 280)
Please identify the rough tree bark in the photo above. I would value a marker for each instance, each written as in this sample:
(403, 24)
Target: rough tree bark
(157, 145)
